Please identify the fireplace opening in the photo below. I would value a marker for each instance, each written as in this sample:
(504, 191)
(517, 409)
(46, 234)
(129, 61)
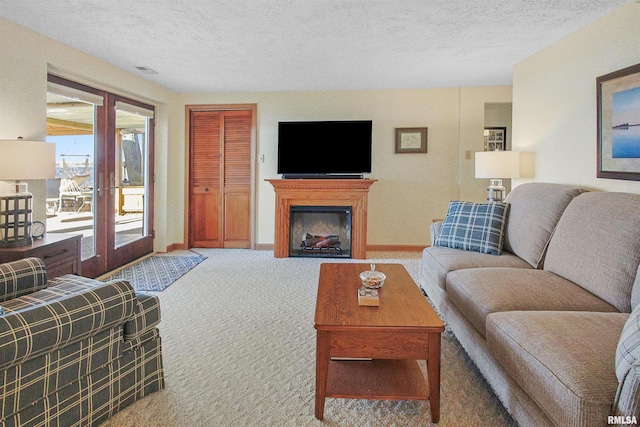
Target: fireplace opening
(320, 231)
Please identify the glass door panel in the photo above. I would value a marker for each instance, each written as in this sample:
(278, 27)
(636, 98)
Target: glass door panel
(130, 187)
(130, 177)
(71, 124)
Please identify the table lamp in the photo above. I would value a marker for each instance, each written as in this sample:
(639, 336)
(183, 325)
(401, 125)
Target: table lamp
(497, 165)
(20, 159)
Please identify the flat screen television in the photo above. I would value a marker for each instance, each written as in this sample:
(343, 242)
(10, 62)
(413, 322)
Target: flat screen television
(324, 148)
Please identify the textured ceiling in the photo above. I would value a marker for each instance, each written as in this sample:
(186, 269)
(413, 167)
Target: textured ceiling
(263, 45)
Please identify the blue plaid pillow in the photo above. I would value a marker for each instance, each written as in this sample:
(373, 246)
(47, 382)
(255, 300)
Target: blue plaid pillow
(474, 227)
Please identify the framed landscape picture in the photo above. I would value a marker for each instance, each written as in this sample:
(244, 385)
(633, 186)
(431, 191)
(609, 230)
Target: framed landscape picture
(618, 98)
(411, 140)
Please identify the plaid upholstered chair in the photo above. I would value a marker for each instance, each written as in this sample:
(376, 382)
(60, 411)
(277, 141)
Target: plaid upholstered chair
(73, 351)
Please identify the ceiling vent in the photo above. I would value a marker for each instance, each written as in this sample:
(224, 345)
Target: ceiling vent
(146, 70)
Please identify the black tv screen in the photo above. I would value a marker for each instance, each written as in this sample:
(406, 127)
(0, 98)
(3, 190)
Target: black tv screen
(328, 147)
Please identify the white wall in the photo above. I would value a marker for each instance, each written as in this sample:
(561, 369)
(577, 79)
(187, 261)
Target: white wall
(554, 99)
(499, 115)
(472, 123)
(554, 115)
(25, 59)
(412, 188)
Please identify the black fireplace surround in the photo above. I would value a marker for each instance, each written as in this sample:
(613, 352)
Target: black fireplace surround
(320, 231)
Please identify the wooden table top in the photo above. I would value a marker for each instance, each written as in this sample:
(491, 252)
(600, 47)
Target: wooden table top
(402, 304)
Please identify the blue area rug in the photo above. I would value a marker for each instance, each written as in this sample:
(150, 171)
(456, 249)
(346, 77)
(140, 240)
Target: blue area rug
(157, 272)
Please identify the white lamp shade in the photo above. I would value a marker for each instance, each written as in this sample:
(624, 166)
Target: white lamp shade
(20, 159)
(498, 164)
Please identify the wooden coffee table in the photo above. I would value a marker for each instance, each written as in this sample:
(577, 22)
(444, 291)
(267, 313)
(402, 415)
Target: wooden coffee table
(395, 335)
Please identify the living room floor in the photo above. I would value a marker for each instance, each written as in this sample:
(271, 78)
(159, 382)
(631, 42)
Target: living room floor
(239, 350)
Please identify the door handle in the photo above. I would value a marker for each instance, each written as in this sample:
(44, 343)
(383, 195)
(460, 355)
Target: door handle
(100, 183)
(112, 184)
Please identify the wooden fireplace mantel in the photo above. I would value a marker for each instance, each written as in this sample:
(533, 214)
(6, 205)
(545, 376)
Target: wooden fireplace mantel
(322, 192)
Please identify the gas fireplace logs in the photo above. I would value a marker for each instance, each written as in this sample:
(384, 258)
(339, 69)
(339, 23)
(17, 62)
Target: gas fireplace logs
(312, 241)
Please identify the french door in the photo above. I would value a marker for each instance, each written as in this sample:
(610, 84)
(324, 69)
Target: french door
(104, 153)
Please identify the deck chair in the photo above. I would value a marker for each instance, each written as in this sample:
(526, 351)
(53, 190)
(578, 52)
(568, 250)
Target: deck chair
(71, 190)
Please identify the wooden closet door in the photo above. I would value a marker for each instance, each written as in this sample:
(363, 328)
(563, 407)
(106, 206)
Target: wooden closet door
(220, 202)
(237, 179)
(205, 201)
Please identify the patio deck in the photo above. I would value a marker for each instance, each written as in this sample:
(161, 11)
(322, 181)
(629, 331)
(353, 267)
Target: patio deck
(128, 228)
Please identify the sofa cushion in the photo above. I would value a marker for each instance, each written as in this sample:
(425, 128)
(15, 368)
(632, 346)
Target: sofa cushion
(534, 211)
(474, 227)
(553, 358)
(438, 261)
(597, 245)
(482, 291)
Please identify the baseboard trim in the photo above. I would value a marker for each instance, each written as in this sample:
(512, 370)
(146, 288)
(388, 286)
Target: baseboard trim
(373, 248)
(264, 247)
(396, 248)
(177, 247)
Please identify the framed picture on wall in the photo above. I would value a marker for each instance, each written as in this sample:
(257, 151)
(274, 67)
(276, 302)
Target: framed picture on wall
(618, 101)
(411, 140)
(495, 138)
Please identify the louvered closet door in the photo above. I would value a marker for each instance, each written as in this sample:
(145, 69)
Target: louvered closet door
(205, 205)
(220, 186)
(237, 179)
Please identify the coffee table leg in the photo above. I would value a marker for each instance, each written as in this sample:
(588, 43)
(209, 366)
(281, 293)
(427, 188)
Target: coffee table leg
(433, 370)
(322, 370)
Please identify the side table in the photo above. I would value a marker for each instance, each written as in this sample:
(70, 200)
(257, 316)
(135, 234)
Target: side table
(61, 253)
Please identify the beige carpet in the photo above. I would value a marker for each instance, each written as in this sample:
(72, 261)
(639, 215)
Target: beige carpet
(239, 350)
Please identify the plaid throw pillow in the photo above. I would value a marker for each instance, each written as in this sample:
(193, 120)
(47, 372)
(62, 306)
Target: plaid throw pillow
(628, 351)
(474, 227)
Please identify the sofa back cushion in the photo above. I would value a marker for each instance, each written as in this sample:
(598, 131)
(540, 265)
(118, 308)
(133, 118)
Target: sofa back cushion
(535, 209)
(597, 245)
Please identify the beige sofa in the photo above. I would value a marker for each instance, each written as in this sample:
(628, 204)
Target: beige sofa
(543, 320)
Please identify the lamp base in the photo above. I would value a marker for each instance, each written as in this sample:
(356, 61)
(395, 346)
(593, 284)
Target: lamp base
(496, 191)
(15, 218)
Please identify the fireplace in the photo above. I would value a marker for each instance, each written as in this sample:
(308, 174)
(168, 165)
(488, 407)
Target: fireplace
(320, 231)
(324, 193)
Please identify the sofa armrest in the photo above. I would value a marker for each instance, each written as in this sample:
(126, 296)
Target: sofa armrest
(52, 318)
(22, 277)
(146, 315)
(435, 230)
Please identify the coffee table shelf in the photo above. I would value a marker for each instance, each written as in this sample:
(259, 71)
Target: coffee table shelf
(377, 379)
